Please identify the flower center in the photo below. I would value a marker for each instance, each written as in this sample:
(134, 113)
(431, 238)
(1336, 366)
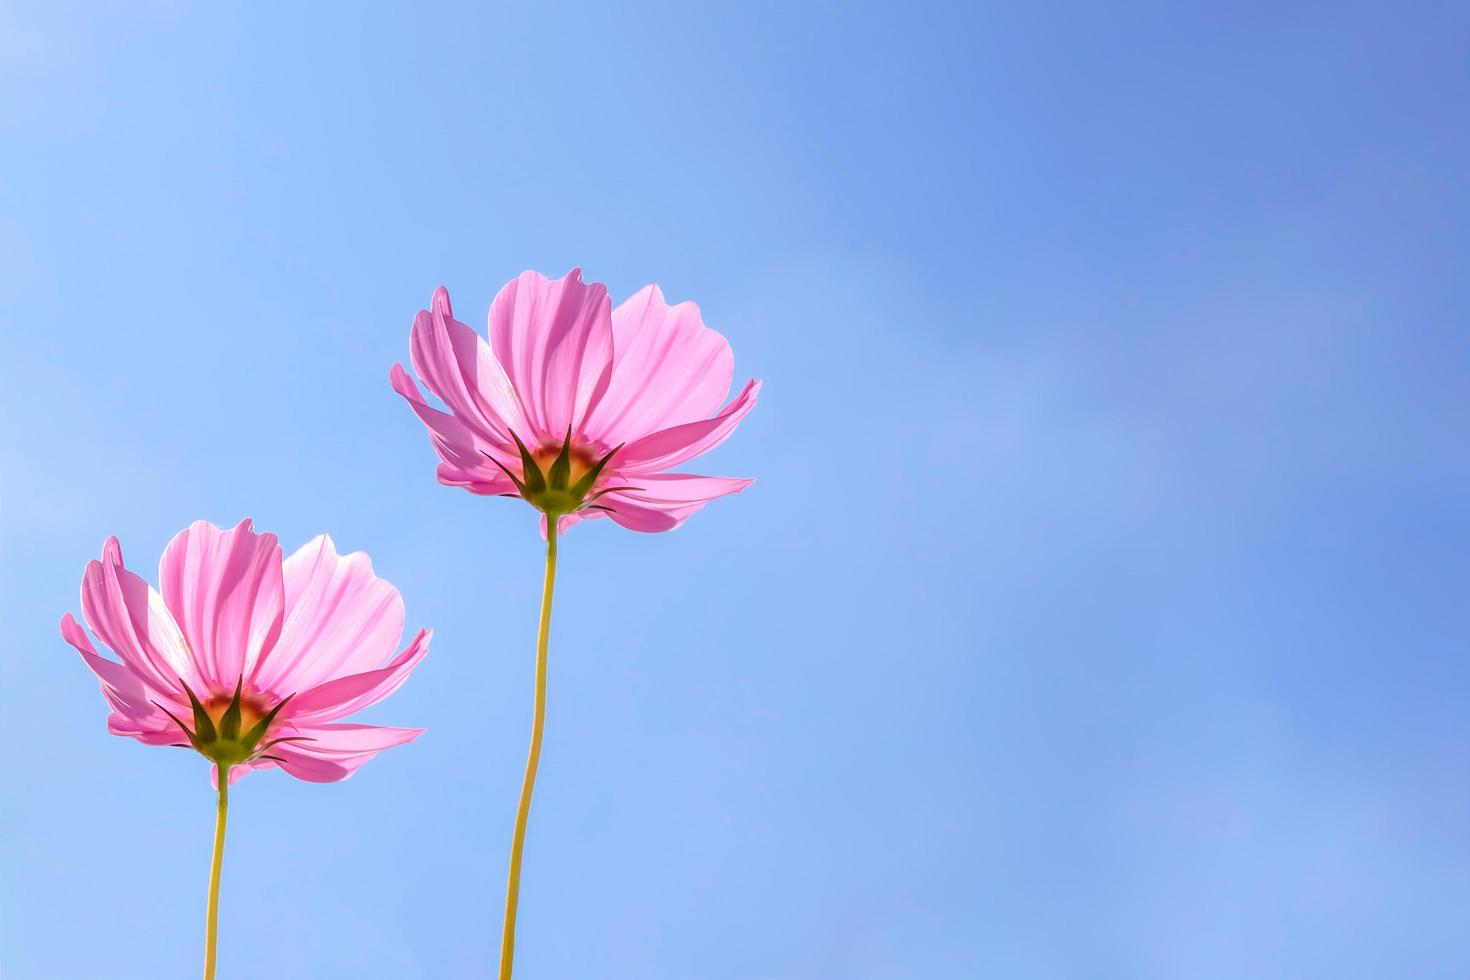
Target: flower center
(558, 479)
(252, 709)
(231, 728)
(580, 460)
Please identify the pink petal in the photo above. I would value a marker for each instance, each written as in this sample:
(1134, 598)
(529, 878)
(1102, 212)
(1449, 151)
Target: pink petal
(133, 710)
(680, 489)
(567, 521)
(663, 501)
(118, 682)
(650, 520)
(239, 772)
(342, 696)
(681, 443)
(668, 369)
(132, 619)
(336, 751)
(160, 731)
(224, 589)
(340, 619)
(463, 451)
(554, 339)
(458, 366)
(481, 483)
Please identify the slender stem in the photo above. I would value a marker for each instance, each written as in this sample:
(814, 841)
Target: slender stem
(211, 928)
(538, 722)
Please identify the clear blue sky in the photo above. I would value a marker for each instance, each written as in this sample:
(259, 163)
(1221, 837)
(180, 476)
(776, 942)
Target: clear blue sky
(1100, 610)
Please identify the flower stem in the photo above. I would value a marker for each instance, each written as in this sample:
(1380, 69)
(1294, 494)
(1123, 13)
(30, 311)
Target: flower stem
(211, 928)
(538, 722)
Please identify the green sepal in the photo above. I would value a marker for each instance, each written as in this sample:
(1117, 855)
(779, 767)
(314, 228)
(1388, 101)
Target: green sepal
(286, 738)
(255, 734)
(203, 725)
(609, 490)
(561, 467)
(590, 477)
(531, 474)
(229, 722)
(521, 487)
(193, 740)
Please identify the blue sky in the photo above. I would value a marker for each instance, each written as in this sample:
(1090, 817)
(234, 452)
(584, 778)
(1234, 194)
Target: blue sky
(1100, 608)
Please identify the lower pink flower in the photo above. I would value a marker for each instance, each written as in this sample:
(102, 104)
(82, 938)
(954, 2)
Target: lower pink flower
(252, 659)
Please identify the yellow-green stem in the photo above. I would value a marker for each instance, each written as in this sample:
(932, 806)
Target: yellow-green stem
(211, 928)
(533, 758)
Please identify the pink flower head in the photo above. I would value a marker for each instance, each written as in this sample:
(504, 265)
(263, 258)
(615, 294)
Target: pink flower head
(250, 659)
(579, 408)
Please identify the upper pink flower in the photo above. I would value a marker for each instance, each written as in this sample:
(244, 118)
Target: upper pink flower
(305, 642)
(638, 388)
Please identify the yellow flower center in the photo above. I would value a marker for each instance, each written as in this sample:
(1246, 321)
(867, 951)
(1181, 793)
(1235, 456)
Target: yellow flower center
(231, 728)
(559, 479)
(579, 457)
(252, 708)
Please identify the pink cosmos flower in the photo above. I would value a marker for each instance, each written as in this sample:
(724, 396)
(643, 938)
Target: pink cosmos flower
(578, 407)
(250, 659)
(582, 410)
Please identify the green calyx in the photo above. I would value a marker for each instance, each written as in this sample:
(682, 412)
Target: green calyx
(564, 484)
(218, 736)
